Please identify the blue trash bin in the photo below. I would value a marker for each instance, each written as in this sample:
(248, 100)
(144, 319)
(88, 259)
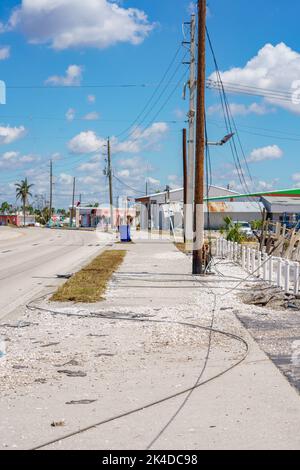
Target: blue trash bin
(125, 233)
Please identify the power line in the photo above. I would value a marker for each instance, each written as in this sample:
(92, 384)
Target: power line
(128, 186)
(156, 115)
(272, 136)
(54, 118)
(153, 94)
(228, 118)
(53, 87)
(163, 91)
(252, 91)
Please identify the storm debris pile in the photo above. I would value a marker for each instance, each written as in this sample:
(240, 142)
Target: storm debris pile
(273, 297)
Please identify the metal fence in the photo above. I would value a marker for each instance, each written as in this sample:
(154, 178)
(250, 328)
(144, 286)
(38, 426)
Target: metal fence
(277, 271)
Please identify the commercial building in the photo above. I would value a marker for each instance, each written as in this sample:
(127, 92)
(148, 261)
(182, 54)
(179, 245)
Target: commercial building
(17, 220)
(159, 211)
(92, 217)
(282, 209)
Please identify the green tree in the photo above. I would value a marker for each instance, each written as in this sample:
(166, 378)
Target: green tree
(256, 224)
(29, 209)
(23, 193)
(232, 231)
(43, 216)
(5, 207)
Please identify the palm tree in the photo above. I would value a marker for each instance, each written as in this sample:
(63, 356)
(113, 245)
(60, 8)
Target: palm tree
(22, 193)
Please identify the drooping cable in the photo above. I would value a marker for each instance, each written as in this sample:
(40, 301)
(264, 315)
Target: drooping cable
(232, 129)
(152, 95)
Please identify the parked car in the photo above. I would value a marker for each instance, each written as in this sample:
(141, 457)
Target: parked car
(245, 228)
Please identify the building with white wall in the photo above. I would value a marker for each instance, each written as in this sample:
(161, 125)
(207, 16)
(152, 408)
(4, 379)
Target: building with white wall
(157, 211)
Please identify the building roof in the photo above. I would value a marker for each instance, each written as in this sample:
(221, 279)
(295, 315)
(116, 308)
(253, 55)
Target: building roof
(235, 207)
(282, 204)
(172, 191)
(284, 201)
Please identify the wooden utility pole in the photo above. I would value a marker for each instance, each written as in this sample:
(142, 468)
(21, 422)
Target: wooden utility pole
(51, 189)
(200, 143)
(189, 208)
(184, 157)
(109, 173)
(263, 229)
(73, 203)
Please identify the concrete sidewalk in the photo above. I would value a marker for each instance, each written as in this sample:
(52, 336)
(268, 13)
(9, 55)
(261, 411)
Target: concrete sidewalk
(128, 364)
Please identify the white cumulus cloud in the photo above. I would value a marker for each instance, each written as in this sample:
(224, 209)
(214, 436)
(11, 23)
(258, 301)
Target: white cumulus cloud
(93, 116)
(4, 52)
(296, 177)
(70, 114)
(142, 139)
(271, 152)
(75, 23)
(239, 109)
(9, 155)
(73, 77)
(139, 139)
(153, 181)
(273, 68)
(11, 134)
(64, 178)
(86, 142)
(92, 166)
(12, 160)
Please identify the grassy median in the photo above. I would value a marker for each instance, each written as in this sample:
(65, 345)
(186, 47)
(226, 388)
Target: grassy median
(89, 284)
(182, 247)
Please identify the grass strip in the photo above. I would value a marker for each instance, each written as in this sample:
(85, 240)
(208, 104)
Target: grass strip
(181, 247)
(90, 283)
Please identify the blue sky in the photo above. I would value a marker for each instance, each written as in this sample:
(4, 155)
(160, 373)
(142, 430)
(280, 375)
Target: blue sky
(45, 43)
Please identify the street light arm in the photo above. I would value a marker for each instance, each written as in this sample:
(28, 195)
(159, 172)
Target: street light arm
(223, 141)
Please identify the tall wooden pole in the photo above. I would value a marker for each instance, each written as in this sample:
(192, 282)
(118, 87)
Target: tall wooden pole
(189, 209)
(200, 143)
(109, 169)
(184, 157)
(51, 190)
(73, 203)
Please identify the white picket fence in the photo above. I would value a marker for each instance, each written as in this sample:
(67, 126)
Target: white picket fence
(276, 271)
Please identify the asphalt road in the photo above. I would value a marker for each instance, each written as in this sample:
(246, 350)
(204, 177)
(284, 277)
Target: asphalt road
(31, 258)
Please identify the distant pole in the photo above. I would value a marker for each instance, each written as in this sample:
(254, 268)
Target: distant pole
(146, 187)
(73, 202)
(191, 136)
(200, 144)
(184, 157)
(126, 209)
(51, 188)
(118, 213)
(109, 172)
